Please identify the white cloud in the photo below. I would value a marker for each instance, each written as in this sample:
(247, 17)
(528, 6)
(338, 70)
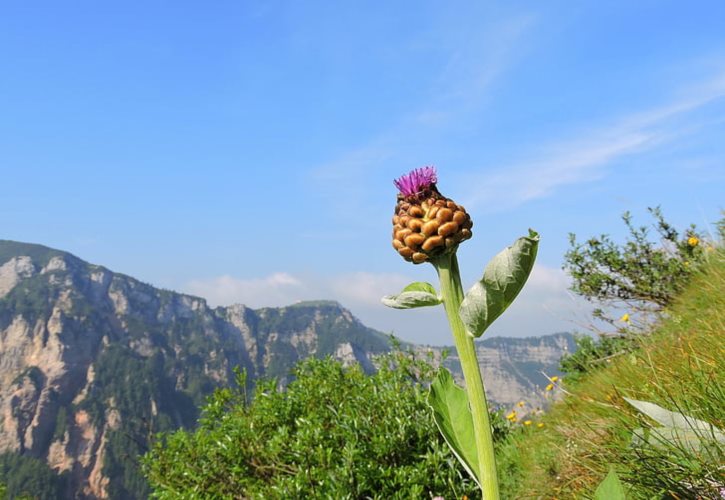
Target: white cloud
(281, 288)
(543, 307)
(364, 288)
(274, 290)
(584, 159)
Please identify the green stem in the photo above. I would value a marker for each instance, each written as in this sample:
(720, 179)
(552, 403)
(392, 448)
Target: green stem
(452, 291)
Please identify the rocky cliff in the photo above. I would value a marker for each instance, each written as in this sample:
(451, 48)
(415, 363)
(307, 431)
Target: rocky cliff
(517, 369)
(94, 363)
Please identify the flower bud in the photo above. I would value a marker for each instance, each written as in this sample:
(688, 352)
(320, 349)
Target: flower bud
(426, 224)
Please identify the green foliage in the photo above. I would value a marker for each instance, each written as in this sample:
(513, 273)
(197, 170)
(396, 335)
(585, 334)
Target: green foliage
(131, 382)
(641, 277)
(335, 432)
(32, 298)
(640, 273)
(418, 294)
(682, 456)
(24, 476)
(61, 424)
(655, 414)
(591, 353)
(38, 253)
(503, 279)
(611, 488)
(452, 415)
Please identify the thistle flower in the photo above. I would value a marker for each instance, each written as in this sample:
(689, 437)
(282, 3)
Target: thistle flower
(426, 224)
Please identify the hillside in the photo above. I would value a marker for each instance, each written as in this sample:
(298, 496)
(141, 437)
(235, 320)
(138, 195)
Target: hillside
(93, 363)
(680, 367)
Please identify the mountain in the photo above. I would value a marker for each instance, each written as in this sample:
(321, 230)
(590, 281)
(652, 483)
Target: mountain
(515, 369)
(93, 363)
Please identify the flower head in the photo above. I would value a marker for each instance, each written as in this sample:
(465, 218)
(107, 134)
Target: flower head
(416, 181)
(540, 425)
(521, 404)
(624, 318)
(527, 422)
(511, 416)
(554, 378)
(426, 224)
(693, 241)
(549, 387)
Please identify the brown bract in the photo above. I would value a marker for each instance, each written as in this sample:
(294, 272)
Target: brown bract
(428, 224)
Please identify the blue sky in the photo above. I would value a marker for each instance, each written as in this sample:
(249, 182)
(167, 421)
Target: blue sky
(245, 151)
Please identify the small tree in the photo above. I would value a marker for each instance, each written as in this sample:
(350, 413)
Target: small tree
(641, 275)
(632, 283)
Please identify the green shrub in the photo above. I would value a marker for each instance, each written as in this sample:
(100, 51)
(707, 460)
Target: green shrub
(640, 274)
(335, 432)
(27, 477)
(593, 353)
(639, 278)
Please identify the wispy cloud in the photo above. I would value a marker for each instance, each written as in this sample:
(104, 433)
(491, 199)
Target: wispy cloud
(586, 158)
(273, 290)
(540, 309)
(473, 68)
(281, 288)
(478, 57)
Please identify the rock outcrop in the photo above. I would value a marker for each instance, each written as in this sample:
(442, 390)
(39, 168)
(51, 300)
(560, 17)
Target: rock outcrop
(89, 358)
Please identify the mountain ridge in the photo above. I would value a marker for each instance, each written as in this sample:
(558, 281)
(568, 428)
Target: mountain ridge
(93, 363)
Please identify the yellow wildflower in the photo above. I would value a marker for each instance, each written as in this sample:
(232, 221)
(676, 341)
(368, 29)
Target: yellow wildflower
(540, 425)
(554, 378)
(693, 241)
(624, 318)
(511, 416)
(550, 387)
(521, 404)
(527, 422)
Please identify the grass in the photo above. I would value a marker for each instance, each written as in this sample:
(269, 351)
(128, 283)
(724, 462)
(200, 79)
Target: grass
(679, 366)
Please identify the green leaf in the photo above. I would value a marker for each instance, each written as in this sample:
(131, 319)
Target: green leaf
(611, 488)
(416, 294)
(453, 418)
(503, 279)
(675, 420)
(664, 437)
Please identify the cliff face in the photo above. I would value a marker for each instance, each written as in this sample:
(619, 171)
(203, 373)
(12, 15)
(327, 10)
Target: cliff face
(516, 369)
(94, 363)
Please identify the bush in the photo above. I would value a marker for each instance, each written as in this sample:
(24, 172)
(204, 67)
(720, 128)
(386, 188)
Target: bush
(335, 432)
(593, 353)
(639, 275)
(27, 477)
(640, 278)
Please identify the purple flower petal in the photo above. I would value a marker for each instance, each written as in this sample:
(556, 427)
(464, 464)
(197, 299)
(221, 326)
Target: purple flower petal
(416, 181)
